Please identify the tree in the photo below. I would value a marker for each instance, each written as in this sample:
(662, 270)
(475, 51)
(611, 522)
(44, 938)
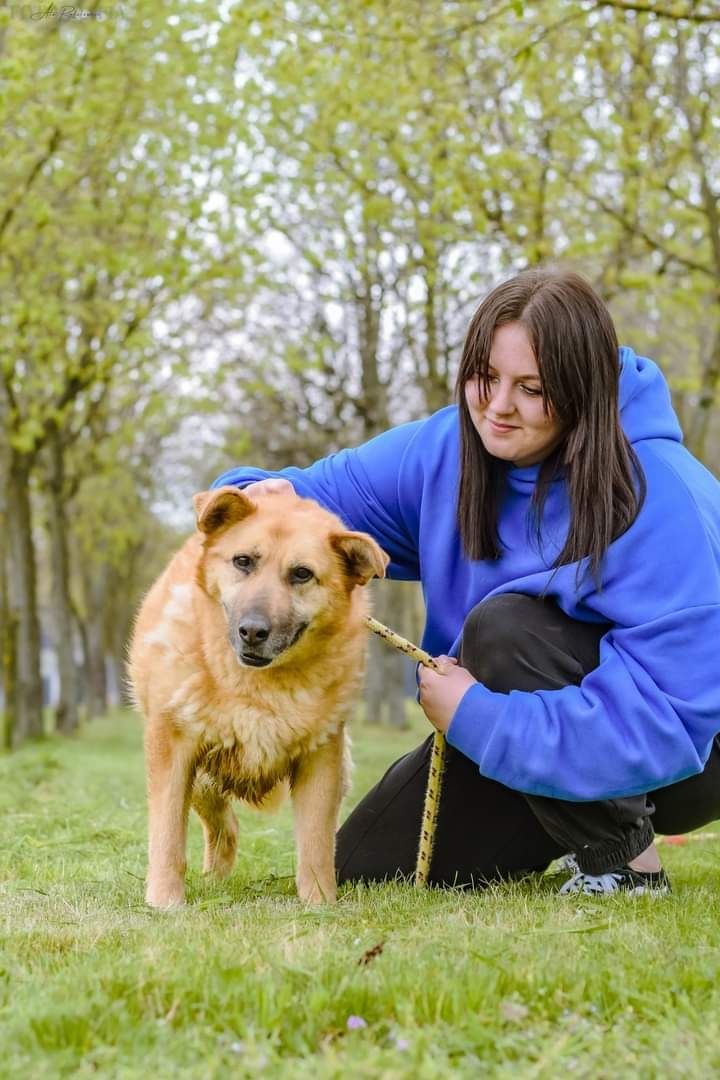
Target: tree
(645, 91)
(103, 227)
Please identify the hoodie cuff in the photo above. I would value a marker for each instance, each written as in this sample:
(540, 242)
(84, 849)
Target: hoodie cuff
(471, 728)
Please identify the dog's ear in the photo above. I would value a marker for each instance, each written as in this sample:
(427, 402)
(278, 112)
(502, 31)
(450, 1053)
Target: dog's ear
(220, 508)
(363, 558)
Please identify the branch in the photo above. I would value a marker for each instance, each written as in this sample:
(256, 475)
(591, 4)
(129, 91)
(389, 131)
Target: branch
(635, 229)
(506, 8)
(32, 175)
(695, 131)
(53, 144)
(674, 13)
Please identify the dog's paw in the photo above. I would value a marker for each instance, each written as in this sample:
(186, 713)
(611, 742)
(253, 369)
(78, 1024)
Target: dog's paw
(165, 896)
(219, 859)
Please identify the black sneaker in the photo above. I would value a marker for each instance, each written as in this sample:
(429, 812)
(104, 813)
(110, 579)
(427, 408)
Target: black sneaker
(625, 879)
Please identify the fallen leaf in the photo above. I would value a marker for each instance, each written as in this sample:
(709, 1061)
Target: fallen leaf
(370, 954)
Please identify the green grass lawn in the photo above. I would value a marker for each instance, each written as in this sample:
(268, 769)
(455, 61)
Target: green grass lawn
(244, 981)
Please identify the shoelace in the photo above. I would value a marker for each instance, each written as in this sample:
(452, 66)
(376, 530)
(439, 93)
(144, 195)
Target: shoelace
(590, 883)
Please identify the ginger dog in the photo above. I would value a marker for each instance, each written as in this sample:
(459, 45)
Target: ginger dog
(246, 659)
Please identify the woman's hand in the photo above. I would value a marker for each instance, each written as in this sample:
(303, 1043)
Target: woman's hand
(441, 691)
(275, 485)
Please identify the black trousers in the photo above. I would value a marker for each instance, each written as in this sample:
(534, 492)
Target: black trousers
(487, 831)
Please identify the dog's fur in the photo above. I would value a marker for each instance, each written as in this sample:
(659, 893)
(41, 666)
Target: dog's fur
(246, 658)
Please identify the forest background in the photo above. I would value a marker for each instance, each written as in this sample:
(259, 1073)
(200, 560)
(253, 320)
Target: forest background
(256, 231)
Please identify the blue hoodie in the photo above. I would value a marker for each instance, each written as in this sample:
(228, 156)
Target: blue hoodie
(646, 716)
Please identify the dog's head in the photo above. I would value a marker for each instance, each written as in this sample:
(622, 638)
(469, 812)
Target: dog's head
(282, 568)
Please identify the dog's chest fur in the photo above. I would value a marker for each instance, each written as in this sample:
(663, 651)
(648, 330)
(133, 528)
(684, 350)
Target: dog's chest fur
(248, 745)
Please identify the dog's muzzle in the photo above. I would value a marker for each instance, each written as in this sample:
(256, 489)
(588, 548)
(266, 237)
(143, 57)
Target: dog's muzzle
(257, 642)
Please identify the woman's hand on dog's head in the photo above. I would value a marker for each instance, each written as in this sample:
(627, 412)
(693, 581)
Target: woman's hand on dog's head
(272, 486)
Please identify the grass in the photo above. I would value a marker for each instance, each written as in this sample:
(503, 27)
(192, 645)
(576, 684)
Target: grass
(512, 982)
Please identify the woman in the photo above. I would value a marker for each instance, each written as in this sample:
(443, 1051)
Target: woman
(568, 546)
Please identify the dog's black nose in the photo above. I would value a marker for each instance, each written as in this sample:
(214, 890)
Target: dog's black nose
(254, 629)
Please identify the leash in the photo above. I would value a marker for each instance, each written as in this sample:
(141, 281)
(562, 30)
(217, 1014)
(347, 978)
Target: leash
(437, 756)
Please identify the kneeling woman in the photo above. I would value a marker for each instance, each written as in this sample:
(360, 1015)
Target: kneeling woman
(568, 547)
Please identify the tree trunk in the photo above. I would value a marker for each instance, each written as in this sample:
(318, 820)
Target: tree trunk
(9, 673)
(697, 432)
(66, 713)
(22, 602)
(94, 644)
(437, 392)
(8, 627)
(385, 683)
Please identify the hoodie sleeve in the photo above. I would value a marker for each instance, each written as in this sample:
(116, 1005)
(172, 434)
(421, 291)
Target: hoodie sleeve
(366, 488)
(646, 716)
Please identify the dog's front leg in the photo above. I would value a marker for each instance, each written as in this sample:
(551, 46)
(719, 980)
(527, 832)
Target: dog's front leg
(316, 791)
(169, 762)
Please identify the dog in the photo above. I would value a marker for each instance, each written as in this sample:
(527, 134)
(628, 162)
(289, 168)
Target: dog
(246, 658)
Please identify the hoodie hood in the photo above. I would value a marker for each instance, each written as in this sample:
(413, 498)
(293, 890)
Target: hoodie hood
(645, 405)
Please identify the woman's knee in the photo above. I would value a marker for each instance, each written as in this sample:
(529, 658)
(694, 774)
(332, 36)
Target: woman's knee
(517, 642)
(494, 624)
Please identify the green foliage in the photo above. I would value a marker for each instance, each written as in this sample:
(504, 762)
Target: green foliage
(102, 216)
(405, 159)
(260, 228)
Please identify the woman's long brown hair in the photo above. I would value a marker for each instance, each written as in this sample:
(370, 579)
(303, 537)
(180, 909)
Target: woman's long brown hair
(576, 348)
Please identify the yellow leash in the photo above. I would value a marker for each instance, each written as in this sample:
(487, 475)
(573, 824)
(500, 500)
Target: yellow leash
(437, 757)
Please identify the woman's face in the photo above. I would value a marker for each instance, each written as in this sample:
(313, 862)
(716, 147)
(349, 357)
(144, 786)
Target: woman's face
(511, 421)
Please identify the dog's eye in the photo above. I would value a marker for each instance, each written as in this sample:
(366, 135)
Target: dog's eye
(300, 574)
(242, 562)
